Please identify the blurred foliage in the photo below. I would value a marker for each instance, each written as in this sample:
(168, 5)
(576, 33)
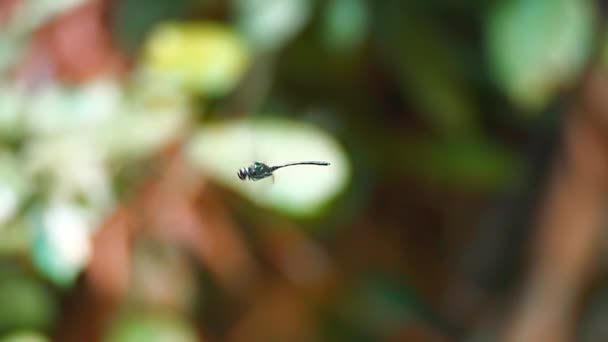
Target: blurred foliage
(149, 327)
(345, 24)
(25, 337)
(469, 164)
(131, 30)
(377, 306)
(123, 124)
(26, 303)
(427, 66)
(204, 57)
(539, 47)
(269, 24)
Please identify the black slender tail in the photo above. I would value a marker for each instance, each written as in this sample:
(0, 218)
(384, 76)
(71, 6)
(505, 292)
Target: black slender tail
(319, 163)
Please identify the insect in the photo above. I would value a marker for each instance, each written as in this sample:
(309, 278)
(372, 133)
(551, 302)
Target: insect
(258, 170)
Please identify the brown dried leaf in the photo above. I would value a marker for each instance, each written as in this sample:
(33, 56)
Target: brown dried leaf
(108, 271)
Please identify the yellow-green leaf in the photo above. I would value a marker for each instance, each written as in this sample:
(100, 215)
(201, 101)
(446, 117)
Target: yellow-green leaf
(200, 56)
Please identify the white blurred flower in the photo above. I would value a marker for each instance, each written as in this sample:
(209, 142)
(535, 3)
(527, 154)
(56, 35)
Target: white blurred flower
(60, 110)
(68, 229)
(74, 167)
(62, 240)
(155, 113)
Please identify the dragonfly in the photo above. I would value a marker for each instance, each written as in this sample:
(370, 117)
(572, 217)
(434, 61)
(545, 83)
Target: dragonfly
(259, 170)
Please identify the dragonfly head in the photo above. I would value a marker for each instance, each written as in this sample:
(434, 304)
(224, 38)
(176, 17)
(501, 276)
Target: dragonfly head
(242, 173)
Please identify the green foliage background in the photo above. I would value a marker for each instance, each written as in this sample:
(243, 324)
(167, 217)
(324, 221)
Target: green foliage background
(432, 113)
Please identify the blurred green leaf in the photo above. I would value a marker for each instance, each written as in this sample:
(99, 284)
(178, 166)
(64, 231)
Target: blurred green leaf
(134, 19)
(26, 304)
(148, 327)
(269, 24)
(538, 47)
(470, 164)
(428, 68)
(377, 305)
(604, 48)
(16, 239)
(345, 24)
(11, 110)
(201, 56)
(14, 186)
(221, 149)
(25, 336)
